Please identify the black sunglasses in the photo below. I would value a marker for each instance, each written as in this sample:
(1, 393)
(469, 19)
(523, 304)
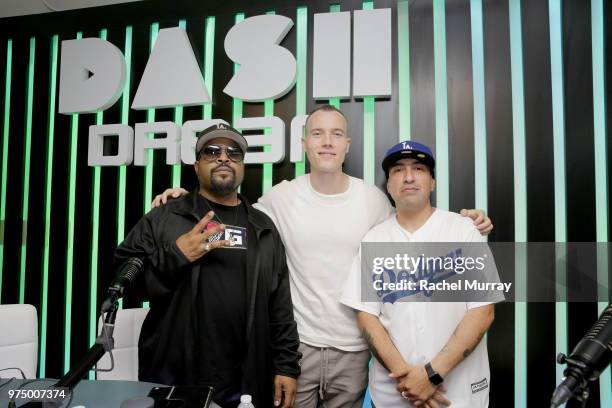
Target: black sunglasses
(213, 152)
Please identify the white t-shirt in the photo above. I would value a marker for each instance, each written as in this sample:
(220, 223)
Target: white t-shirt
(322, 233)
(419, 330)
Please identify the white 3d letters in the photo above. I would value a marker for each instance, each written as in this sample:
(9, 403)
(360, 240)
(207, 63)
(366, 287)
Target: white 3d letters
(267, 70)
(92, 74)
(172, 76)
(142, 141)
(125, 142)
(276, 139)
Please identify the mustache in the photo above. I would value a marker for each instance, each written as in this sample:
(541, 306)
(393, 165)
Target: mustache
(224, 167)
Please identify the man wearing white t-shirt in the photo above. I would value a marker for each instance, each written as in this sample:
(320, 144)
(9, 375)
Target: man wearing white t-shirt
(322, 217)
(428, 354)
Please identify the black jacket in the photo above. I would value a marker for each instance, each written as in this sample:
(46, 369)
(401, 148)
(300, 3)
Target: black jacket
(168, 346)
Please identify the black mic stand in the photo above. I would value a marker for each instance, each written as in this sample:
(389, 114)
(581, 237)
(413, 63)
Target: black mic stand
(576, 369)
(104, 343)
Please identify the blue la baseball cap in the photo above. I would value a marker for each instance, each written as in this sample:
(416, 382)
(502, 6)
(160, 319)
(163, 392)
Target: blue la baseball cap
(409, 149)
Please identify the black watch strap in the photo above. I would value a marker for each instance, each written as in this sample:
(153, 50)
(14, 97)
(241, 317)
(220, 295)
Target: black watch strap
(434, 377)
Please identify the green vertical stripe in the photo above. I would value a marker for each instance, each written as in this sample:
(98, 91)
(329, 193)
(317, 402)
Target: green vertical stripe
(47, 215)
(599, 120)
(72, 160)
(520, 328)
(480, 114)
(95, 228)
(556, 68)
(93, 268)
(26, 170)
(74, 125)
(369, 128)
(601, 172)
(518, 122)
(125, 112)
(148, 185)
(441, 103)
(403, 68)
(334, 8)
(302, 70)
(520, 202)
(209, 54)
(267, 177)
(178, 119)
(369, 139)
(237, 103)
(5, 146)
(480, 119)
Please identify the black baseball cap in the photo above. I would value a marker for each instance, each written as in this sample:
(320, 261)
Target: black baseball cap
(220, 130)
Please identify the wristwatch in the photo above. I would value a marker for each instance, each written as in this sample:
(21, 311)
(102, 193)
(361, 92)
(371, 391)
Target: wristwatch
(434, 377)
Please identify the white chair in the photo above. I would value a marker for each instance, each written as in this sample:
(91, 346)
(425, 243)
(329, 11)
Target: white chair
(18, 340)
(125, 353)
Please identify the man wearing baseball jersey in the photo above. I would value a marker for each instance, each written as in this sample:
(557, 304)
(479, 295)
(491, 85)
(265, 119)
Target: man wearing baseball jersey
(428, 354)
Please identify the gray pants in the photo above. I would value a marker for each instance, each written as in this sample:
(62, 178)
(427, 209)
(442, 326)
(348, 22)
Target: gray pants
(332, 378)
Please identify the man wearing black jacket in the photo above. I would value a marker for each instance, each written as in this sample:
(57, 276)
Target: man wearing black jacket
(217, 280)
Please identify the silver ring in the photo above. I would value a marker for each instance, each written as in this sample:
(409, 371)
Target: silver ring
(207, 247)
(404, 395)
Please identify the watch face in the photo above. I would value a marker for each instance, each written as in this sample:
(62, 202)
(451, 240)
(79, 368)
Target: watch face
(434, 377)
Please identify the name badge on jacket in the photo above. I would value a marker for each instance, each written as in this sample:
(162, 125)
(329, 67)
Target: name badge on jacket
(236, 235)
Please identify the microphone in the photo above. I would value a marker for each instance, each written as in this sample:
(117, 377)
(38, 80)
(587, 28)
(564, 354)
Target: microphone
(589, 358)
(128, 272)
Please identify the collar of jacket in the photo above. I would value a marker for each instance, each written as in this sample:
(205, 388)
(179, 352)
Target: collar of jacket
(187, 207)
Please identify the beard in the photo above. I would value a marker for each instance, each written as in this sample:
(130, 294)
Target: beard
(223, 186)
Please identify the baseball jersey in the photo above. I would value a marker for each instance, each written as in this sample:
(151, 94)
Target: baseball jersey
(420, 330)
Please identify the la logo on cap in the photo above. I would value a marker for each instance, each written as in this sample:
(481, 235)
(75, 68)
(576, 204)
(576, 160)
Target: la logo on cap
(222, 126)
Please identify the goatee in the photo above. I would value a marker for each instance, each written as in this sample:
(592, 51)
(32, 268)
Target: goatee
(223, 187)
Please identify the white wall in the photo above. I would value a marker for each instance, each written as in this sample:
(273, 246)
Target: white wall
(9, 8)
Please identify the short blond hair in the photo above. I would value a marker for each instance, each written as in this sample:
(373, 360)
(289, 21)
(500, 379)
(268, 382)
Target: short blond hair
(325, 108)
